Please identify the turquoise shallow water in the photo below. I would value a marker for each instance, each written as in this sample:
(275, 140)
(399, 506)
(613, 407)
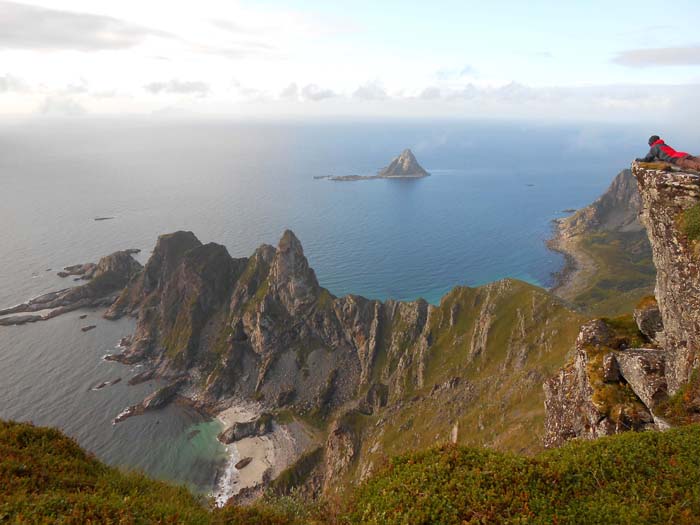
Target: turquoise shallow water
(483, 215)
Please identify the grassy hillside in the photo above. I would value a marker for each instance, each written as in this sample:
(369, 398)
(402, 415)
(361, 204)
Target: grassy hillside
(46, 477)
(493, 347)
(624, 272)
(630, 478)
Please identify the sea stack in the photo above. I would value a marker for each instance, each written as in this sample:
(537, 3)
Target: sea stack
(404, 166)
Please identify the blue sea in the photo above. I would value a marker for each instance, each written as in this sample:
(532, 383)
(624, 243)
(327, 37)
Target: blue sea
(483, 215)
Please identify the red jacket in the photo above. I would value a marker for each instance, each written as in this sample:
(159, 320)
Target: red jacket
(660, 151)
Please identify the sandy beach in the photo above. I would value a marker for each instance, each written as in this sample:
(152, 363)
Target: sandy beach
(271, 453)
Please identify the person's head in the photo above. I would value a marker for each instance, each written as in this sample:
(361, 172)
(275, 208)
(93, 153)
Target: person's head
(653, 139)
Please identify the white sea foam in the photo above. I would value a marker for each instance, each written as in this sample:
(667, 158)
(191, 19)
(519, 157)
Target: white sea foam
(226, 485)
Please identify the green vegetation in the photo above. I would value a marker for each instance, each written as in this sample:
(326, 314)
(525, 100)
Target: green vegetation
(690, 222)
(493, 395)
(46, 477)
(624, 272)
(683, 407)
(630, 478)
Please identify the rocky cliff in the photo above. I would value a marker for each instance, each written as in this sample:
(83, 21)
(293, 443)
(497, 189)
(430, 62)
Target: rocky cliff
(374, 378)
(637, 372)
(670, 205)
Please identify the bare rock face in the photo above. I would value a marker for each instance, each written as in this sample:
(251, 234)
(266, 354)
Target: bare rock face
(644, 371)
(648, 318)
(405, 165)
(166, 256)
(616, 210)
(665, 196)
(342, 446)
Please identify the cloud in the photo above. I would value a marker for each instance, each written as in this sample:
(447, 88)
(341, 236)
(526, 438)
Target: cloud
(61, 107)
(456, 74)
(38, 28)
(430, 93)
(178, 86)
(314, 93)
(371, 91)
(291, 92)
(662, 56)
(9, 83)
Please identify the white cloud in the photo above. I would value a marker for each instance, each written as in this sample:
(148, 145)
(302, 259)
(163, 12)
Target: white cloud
(315, 93)
(184, 87)
(662, 56)
(371, 91)
(61, 107)
(38, 28)
(9, 83)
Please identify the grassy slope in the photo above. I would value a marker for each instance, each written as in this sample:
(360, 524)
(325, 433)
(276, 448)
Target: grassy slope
(46, 477)
(630, 478)
(624, 273)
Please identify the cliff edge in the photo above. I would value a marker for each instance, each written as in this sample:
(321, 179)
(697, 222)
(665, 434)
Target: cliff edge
(638, 372)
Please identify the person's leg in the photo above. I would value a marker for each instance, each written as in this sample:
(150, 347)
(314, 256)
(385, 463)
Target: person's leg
(689, 163)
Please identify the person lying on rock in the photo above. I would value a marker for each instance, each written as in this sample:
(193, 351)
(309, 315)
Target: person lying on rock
(660, 151)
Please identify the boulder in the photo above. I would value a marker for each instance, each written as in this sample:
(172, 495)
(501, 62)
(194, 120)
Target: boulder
(254, 428)
(648, 318)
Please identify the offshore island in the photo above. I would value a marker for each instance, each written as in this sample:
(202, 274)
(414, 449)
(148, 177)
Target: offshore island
(405, 166)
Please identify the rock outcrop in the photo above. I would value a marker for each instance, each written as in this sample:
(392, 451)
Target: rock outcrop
(593, 396)
(403, 166)
(623, 374)
(257, 427)
(666, 197)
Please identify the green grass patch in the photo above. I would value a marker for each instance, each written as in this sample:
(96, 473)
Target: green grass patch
(631, 478)
(690, 222)
(624, 274)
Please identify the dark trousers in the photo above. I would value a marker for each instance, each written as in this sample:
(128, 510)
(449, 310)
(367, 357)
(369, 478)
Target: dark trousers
(688, 163)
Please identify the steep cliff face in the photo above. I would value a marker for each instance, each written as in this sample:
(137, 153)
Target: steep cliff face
(616, 210)
(628, 372)
(667, 197)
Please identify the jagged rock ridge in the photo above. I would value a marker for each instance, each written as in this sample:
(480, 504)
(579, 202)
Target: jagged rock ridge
(262, 328)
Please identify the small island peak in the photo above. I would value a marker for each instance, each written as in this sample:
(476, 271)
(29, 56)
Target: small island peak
(404, 166)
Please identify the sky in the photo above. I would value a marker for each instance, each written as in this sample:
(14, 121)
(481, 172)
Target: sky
(551, 60)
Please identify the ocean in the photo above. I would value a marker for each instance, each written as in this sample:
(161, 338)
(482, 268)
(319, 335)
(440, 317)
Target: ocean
(483, 215)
